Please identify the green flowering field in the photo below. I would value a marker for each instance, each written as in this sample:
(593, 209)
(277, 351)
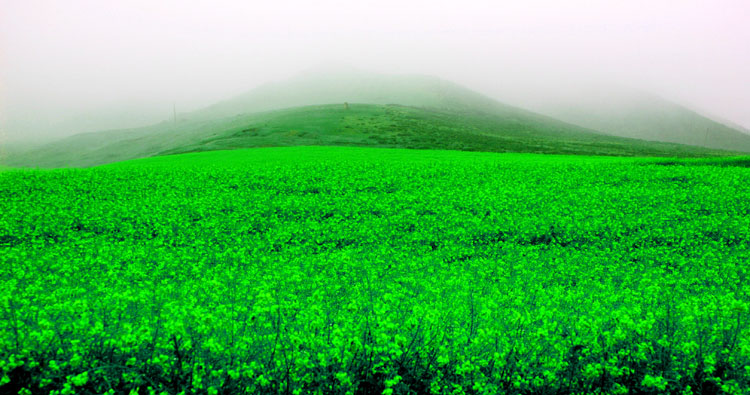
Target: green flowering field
(372, 271)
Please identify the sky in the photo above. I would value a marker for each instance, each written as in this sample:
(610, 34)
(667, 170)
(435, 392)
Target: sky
(75, 66)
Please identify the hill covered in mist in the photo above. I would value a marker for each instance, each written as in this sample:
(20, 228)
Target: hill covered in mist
(351, 108)
(640, 115)
(340, 85)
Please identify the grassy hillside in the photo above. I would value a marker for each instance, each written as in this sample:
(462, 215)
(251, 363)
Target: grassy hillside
(612, 110)
(358, 125)
(409, 127)
(401, 111)
(647, 117)
(343, 270)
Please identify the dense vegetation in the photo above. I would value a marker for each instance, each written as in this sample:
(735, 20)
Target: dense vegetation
(352, 270)
(364, 125)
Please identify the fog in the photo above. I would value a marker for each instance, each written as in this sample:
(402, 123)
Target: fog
(78, 66)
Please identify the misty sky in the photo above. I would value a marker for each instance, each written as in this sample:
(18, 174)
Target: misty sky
(73, 61)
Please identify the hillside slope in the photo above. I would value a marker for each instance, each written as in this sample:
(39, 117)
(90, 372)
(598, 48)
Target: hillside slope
(364, 125)
(409, 127)
(405, 111)
(645, 116)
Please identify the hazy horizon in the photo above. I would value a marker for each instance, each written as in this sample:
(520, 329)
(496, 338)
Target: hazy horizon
(69, 66)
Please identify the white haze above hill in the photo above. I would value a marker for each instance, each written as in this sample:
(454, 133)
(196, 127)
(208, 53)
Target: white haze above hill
(80, 66)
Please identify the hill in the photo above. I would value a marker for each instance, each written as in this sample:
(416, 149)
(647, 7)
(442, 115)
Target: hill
(355, 86)
(645, 116)
(391, 126)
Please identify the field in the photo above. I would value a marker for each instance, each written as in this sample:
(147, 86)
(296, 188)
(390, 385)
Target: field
(368, 271)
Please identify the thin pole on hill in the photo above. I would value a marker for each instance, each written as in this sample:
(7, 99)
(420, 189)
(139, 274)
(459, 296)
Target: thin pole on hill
(174, 112)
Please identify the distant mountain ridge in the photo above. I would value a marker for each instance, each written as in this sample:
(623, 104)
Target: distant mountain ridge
(642, 115)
